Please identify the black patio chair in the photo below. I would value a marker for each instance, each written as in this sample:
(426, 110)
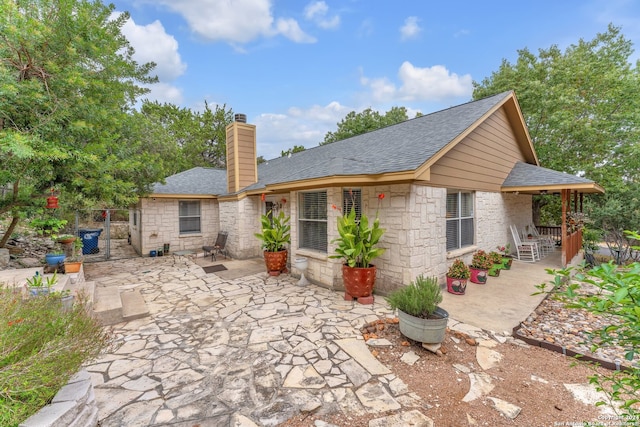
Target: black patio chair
(218, 247)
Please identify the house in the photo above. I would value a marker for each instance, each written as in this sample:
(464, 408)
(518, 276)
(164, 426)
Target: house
(453, 181)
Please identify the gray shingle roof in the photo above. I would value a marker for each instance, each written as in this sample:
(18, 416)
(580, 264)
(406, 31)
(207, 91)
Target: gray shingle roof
(401, 147)
(526, 175)
(196, 181)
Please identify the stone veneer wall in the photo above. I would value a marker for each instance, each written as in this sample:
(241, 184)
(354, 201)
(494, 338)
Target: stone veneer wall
(495, 212)
(74, 405)
(241, 219)
(159, 224)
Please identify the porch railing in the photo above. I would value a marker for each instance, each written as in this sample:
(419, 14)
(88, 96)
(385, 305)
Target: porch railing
(553, 231)
(573, 245)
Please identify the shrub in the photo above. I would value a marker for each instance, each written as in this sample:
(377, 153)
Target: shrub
(419, 299)
(459, 270)
(481, 260)
(42, 346)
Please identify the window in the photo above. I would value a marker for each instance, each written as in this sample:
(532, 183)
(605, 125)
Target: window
(135, 218)
(189, 217)
(312, 221)
(459, 220)
(352, 198)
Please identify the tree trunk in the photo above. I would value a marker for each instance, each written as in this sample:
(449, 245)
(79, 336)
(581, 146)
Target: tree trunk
(9, 232)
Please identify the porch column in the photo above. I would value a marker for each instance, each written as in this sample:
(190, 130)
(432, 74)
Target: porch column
(566, 195)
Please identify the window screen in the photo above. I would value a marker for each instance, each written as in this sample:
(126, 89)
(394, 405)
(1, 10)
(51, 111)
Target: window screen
(189, 213)
(312, 221)
(460, 228)
(352, 199)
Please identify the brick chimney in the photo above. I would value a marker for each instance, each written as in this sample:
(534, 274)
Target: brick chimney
(242, 169)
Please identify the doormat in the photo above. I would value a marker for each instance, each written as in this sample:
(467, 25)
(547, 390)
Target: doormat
(214, 268)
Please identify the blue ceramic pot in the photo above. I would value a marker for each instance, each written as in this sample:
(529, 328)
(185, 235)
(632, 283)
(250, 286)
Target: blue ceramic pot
(54, 259)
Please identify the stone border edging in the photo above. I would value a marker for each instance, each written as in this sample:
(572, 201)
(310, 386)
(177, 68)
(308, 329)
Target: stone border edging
(73, 405)
(613, 366)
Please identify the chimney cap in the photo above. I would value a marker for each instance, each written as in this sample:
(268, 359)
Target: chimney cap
(241, 118)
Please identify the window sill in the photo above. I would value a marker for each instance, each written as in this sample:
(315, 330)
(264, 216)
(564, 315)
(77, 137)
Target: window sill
(190, 235)
(461, 252)
(308, 253)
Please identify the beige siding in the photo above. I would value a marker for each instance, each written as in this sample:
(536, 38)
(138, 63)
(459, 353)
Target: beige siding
(231, 154)
(241, 156)
(482, 160)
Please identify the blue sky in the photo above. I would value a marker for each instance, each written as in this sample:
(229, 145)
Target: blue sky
(296, 67)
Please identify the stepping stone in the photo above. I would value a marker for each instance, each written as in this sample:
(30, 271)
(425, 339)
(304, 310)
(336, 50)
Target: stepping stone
(413, 418)
(300, 377)
(359, 351)
(505, 408)
(410, 358)
(480, 384)
(375, 398)
(487, 358)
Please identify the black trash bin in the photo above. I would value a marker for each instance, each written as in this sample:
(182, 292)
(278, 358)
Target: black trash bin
(89, 238)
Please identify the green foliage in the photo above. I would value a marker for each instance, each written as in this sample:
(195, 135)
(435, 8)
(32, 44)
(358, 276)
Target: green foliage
(366, 121)
(581, 107)
(459, 270)
(42, 347)
(481, 260)
(618, 296)
(275, 231)
(419, 299)
(47, 225)
(357, 241)
(68, 82)
(295, 149)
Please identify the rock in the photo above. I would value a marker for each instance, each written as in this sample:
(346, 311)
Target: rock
(379, 342)
(462, 368)
(375, 398)
(410, 358)
(487, 358)
(433, 348)
(480, 384)
(505, 408)
(413, 418)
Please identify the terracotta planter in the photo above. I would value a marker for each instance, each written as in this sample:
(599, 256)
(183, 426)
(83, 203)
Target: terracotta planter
(72, 267)
(456, 286)
(359, 281)
(478, 275)
(276, 262)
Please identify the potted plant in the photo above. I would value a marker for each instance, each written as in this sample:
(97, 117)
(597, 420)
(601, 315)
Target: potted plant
(275, 235)
(480, 265)
(65, 298)
(37, 285)
(54, 258)
(420, 317)
(73, 263)
(496, 264)
(507, 260)
(65, 239)
(357, 247)
(457, 277)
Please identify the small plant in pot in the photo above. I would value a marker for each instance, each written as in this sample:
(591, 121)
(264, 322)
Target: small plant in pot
(420, 317)
(457, 277)
(275, 236)
(73, 263)
(38, 285)
(480, 265)
(505, 252)
(496, 264)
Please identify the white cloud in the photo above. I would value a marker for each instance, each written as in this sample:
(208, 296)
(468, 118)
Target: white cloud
(237, 21)
(317, 12)
(153, 44)
(306, 127)
(163, 92)
(410, 29)
(291, 30)
(419, 84)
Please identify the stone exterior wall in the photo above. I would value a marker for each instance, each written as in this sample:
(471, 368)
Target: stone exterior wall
(74, 405)
(158, 224)
(495, 212)
(241, 219)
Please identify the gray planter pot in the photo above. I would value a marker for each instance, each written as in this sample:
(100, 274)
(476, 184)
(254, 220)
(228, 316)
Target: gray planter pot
(424, 330)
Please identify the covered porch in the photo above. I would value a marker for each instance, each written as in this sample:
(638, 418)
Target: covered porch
(535, 180)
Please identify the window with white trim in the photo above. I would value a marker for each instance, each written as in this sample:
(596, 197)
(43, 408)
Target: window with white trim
(189, 217)
(352, 199)
(460, 221)
(312, 220)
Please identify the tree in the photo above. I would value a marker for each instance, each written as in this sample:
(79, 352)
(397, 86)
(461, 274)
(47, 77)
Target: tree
(581, 107)
(358, 123)
(67, 84)
(199, 137)
(295, 149)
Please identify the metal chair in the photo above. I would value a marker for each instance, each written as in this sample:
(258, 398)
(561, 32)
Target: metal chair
(526, 251)
(218, 247)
